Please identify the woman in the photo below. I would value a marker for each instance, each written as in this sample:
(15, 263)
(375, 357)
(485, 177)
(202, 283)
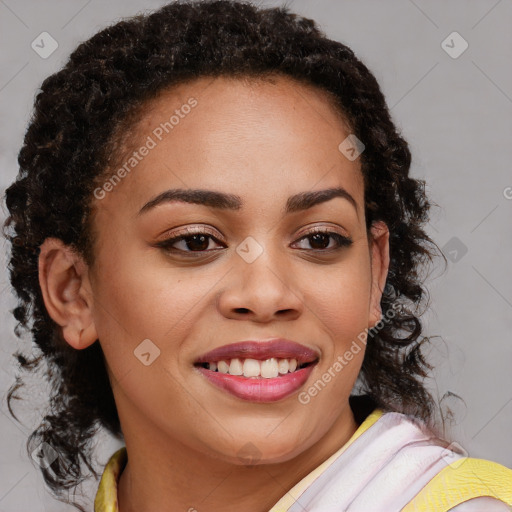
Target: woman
(215, 238)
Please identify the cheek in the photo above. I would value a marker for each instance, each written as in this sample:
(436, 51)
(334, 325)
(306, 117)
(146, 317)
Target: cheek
(340, 296)
(135, 301)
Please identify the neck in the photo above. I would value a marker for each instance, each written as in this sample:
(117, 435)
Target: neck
(164, 471)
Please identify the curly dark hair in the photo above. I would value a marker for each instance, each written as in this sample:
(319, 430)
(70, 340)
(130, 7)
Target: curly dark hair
(71, 142)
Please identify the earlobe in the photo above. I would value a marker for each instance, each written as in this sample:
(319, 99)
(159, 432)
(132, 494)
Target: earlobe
(63, 278)
(380, 266)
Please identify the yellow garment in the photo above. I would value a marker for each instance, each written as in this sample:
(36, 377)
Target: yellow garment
(462, 481)
(453, 485)
(106, 497)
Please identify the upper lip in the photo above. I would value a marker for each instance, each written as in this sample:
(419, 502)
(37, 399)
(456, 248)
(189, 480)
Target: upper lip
(280, 348)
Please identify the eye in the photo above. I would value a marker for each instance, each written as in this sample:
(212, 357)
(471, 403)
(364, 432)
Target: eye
(192, 241)
(320, 240)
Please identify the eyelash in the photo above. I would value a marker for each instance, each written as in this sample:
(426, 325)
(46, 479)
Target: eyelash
(342, 241)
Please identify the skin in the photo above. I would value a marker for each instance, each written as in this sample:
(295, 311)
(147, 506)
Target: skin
(263, 142)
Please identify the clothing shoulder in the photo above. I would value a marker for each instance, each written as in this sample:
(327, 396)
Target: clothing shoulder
(394, 462)
(465, 485)
(458, 483)
(452, 481)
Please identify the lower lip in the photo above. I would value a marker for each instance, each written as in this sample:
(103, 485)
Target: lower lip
(260, 389)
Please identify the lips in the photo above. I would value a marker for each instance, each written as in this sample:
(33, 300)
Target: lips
(265, 387)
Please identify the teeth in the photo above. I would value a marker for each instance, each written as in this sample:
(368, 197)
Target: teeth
(252, 368)
(223, 367)
(269, 368)
(283, 365)
(236, 368)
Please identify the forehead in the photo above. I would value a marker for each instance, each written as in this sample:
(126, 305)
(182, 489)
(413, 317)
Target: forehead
(238, 135)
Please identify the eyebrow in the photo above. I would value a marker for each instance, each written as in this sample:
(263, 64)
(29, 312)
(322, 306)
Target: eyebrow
(211, 198)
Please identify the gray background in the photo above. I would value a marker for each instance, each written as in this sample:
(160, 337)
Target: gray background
(456, 115)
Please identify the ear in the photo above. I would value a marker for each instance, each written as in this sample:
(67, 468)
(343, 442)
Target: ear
(67, 294)
(379, 252)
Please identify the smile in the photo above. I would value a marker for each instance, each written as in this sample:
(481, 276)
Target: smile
(277, 369)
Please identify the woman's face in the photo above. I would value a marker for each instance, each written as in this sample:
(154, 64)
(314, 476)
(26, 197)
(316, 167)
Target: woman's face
(256, 271)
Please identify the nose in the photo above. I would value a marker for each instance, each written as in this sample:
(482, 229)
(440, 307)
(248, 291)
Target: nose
(263, 290)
